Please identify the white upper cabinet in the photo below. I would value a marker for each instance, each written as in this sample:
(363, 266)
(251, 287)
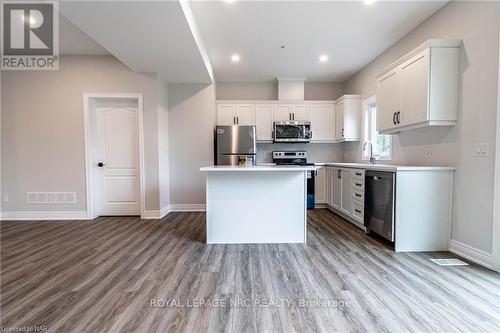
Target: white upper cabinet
(348, 125)
(322, 118)
(264, 121)
(300, 112)
(388, 100)
(235, 114)
(286, 112)
(414, 90)
(282, 112)
(421, 88)
(226, 114)
(245, 114)
(326, 125)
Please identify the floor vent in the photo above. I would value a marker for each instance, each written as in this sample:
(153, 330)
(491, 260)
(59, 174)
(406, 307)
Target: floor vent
(51, 197)
(449, 262)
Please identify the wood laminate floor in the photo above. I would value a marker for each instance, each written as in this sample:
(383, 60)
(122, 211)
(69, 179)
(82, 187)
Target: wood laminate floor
(107, 275)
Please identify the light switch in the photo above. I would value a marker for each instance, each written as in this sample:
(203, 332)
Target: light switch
(428, 153)
(482, 149)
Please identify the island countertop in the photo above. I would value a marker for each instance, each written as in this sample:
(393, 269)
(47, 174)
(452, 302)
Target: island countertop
(232, 168)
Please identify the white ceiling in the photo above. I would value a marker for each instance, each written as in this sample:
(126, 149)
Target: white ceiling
(148, 36)
(352, 34)
(73, 41)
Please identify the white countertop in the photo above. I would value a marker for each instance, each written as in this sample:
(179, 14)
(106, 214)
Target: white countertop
(387, 167)
(232, 168)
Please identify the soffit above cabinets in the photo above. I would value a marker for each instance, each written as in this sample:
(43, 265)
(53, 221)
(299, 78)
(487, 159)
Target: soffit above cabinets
(157, 37)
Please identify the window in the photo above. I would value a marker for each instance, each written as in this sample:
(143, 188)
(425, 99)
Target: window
(382, 144)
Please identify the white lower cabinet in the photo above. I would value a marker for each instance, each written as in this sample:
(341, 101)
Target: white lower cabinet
(336, 188)
(320, 186)
(346, 204)
(346, 192)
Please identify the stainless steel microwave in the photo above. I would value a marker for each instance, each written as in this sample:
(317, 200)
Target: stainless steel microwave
(292, 131)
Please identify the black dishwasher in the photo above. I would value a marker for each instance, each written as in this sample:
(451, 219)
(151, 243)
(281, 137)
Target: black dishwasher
(380, 203)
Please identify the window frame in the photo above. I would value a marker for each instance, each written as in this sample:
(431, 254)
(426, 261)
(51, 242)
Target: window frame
(367, 104)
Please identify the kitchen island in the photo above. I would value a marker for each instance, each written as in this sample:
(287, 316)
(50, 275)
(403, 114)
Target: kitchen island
(257, 204)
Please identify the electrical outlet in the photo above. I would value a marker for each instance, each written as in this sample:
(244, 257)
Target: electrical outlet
(5, 198)
(482, 149)
(428, 153)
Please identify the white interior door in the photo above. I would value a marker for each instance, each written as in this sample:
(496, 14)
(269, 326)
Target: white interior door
(118, 188)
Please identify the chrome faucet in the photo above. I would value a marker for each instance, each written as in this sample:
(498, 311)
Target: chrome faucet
(372, 158)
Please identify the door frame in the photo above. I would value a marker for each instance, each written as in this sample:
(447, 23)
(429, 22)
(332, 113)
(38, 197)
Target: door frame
(90, 174)
(496, 197)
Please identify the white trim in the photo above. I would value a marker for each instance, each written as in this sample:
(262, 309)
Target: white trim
(368, 101)
(187, 208)
(471, 253)
(88, 163)
(151, 214)
(496, 197)
(37, 216)
(188, 14)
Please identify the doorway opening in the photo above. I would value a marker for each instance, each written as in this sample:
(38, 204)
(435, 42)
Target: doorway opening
(114, 154)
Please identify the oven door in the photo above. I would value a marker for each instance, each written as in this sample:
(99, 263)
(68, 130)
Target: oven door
(291, 132)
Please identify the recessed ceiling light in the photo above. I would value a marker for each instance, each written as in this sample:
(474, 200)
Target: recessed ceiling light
(235, 58)
(229, 1)
(323, 58)
(369, 2)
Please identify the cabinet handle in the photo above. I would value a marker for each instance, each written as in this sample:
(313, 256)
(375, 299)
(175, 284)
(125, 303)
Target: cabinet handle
(234, 120)
(357, 184)
(339, 174)
(342, 132)
(394, 118)
(293, 116)
(397, 117)
(237, 120)
(358, 211)
(289, 116)
(358, 195)
(357, 174)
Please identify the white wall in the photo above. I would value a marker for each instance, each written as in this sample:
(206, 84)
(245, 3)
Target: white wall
(191, 121)
(42, 136)
(269, 90)
(477, 24)
(163, 146)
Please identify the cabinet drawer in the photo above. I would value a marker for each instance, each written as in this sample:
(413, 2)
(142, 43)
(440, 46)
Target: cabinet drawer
(358, 195)
(358, 174)
(358, 211)
(358, 184)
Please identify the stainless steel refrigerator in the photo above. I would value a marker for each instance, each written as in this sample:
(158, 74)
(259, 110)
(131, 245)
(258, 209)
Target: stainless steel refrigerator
(235, 145)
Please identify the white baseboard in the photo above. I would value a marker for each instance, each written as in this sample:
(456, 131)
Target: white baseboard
(158, 214)
(471, 253)
(155, 214)
(164, 211)
(187, 207)
(38, 216)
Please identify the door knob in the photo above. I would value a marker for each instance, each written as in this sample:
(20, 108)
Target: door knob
(100, 164)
